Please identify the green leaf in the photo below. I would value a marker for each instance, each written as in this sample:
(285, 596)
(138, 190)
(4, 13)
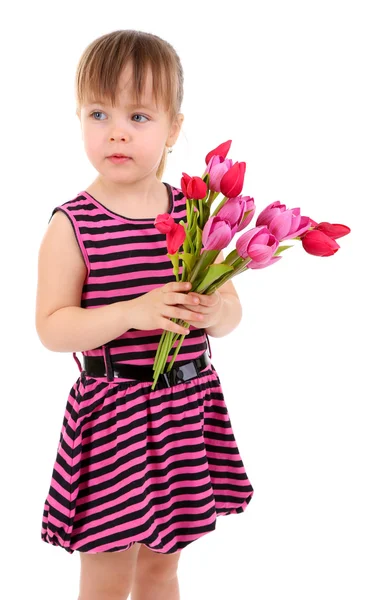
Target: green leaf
(214, 273)
(189, 260)
(232, 257)
(175, 262)
(281, 249)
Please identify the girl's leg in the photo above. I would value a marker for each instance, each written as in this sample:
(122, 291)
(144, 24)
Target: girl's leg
(155, 576)
(107, 575)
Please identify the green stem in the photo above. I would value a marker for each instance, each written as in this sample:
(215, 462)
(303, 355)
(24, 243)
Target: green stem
(159, 348)
(211, 198)
(176, 352)
(164, 349)
(189, 240)
(219, 207)
(160, 354)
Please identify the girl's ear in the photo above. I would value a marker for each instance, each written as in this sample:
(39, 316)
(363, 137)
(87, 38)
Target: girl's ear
(175, 129)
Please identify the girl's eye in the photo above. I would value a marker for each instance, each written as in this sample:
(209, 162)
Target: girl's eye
(140, 116)
(99, 112)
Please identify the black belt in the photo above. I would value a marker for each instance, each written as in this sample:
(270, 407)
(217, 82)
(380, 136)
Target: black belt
(94, 366)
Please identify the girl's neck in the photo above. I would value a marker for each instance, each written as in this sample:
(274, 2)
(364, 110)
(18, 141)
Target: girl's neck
(145, 204)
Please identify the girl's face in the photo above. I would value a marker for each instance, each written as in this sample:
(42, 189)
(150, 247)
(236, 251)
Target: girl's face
(140, 132)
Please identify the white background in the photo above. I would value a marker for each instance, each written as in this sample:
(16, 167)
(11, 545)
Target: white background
(298, 88)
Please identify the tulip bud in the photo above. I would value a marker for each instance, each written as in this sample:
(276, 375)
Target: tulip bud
(164, 223)
(318, 243)
(333, 230)
(221, 150)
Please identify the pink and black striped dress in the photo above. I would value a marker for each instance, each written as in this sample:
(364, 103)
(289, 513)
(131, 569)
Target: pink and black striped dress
(135, 465)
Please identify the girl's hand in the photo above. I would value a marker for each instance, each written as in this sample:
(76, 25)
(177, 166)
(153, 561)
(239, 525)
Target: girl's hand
(155, 309)
(209, 307)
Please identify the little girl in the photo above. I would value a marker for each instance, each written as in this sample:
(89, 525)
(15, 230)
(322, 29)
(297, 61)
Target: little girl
(139, 473)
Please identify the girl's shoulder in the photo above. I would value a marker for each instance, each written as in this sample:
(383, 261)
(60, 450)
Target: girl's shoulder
(71, 206)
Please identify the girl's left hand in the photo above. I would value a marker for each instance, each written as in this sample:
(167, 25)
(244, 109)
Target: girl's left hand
(209, 307)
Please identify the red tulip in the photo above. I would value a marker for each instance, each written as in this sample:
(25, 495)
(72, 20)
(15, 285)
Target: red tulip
(164, 223)
(193, 187)
(333, 230)
(221, 150)
(217, 167)
(175, 238)
(318, 243)
(233, 180)
(184, 183)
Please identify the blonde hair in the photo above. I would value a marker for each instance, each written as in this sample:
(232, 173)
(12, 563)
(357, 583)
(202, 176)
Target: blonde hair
(103, 61)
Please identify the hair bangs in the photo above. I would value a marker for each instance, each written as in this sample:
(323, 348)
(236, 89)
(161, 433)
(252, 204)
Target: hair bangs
(103, 63)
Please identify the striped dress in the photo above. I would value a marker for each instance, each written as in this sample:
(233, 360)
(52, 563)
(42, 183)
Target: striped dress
(135, 465)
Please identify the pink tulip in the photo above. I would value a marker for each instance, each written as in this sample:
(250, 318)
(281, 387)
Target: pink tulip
(217, 168)
(318, 243)
(217, 233)
(233, 211)
(221, 150)
(233, 180)
(175, 238)
(259, 244)
(284, 224)
(249, 211)
(255, 265)
(164, 223)
(193, 187)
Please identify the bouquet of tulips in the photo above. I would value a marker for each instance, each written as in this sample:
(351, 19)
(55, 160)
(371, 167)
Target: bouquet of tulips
(204, 235)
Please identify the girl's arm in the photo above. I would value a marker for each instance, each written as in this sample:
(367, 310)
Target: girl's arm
(61, 324)
(231, 311)
(75, 329)
(230, 316)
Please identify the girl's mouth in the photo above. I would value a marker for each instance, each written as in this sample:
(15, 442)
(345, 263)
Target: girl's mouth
(119, 159)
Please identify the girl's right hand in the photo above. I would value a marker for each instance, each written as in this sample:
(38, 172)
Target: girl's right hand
(154, 309)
